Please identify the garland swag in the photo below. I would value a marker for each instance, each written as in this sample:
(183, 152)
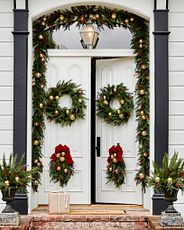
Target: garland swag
(43, 28)
(104, 110)
(65, 116)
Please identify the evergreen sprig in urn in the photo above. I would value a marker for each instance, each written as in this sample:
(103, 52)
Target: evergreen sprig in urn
(14, 177)
(169, 178)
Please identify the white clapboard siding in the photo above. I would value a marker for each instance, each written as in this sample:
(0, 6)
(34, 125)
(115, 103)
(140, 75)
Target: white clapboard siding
(6, 20)
(6, 78)
(6, 64)
(176, 63)
(176, 93)
(176, 107)
(6, 49)
(176, 6)
(6, 35)
(176, 49)
(176, 78)
(6, 6)
(176, 19)
(176, 34)
(176, 123)
(6, 123)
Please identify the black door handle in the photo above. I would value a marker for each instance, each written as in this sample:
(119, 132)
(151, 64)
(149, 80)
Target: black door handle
(98, 147)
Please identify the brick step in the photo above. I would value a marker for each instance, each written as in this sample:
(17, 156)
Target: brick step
(93, 222)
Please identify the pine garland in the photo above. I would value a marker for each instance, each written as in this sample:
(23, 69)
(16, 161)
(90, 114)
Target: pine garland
(61, 165)
(65, 116)
(104, 110)
(116, 166)
(43, 28)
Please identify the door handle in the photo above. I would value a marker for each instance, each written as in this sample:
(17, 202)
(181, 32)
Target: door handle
(98, 147)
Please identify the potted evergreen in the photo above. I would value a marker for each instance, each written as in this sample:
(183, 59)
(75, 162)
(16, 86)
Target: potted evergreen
(14, 176)
(169, 179)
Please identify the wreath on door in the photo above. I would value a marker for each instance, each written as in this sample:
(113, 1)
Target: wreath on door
(65, 116)
(112, 116)
(116, 166)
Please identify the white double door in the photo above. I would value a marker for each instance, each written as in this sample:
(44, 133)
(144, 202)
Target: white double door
(78, 136)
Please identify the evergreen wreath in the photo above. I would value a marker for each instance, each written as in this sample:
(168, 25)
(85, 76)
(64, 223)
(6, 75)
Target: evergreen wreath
(109, 115)
(116, 166)
(65, 116)
(61, 165)
(43, 28)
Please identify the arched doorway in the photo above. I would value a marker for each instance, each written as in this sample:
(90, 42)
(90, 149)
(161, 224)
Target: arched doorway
(142, 67)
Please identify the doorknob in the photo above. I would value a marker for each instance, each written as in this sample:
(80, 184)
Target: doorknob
(98, 147)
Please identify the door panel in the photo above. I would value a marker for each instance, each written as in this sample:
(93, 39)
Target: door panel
(116, 71)
(76, 136)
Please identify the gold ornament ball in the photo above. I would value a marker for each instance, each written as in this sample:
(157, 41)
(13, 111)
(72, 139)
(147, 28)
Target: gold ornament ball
(36, 161)
(148, 77)
(44, 19)
(42, 86)
(113, 15)
(121, 116)
(142, 112)
(141, 92)
(126, 20)
(105, 102)
(58, 155)
(36, 142)
(131, 19)
(104, 97)
(7, 183)
(62, 159)
(43, 59)
(38, 75)
(110, 169)
(33, 83)
(63, 154)
(157, 179)
(144, 133)
(140, 41)
(75, 90)
(65, 170)
(140, 46)
(115, 154)
(143, 117)
(72, 117)
(141, 175)
(110, 114)
(36, 124)
(43, 23)
(122, 102)
(116, 171)
(41, 106)
(17, 178)
(114, 160)
(57, 98)
(145, 154)
(51, 97)
(67, 111)
(80, 100)
(118, 111)
(58, 168)
(36, 182)
(41, 55)
(169, 180)
(97, 16)
(143, 66)
(40, 37)
(38, 164)
(91, 16)
(56, 112)
(61, 18)
(112, 156)
(114, 90)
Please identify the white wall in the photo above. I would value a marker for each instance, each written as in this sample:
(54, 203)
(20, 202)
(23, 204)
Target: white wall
(176, 82)
(6, 79)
